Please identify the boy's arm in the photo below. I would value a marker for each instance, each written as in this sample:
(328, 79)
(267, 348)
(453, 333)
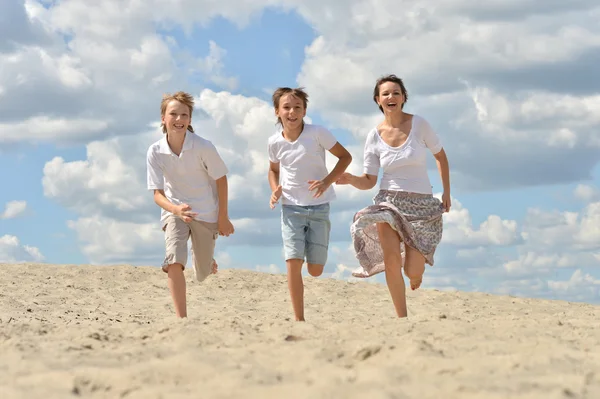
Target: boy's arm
(274, 175)
(225, 226)
(155, 181)
(183, 210)
(161, 200)
(276, 189)
(344, 160)
(222, 194)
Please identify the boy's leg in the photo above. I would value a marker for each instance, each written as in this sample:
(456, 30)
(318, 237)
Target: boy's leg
(317, 239)
(296, 286)
(204, 236)
(293, 230)
(177, 232)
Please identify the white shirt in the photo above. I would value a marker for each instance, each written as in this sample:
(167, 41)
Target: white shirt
(301, 161)
(404, 167)
(188, 178)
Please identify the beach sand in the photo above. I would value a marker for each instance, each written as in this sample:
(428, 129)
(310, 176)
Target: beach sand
(110, 332)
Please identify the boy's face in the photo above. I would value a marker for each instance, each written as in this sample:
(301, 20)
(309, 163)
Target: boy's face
(291, 111)
(177, 117)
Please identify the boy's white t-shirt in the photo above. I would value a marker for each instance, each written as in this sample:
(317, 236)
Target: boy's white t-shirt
(188, 178)
(301, 161)
(404, 167)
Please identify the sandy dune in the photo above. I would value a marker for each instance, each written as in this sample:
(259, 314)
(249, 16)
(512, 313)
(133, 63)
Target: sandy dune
(109, 332)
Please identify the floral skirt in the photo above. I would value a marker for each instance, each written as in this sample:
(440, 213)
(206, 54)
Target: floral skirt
(416, 217)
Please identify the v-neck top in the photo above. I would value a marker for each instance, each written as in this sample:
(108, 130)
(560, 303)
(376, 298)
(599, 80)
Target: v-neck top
(404, 167)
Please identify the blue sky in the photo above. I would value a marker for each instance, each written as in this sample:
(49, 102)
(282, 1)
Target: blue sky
(500, 140)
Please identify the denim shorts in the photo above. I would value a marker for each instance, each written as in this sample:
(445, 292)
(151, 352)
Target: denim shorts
(305, 231)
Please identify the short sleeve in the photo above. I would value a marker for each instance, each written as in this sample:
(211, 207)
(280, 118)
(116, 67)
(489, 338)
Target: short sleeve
(271, 148)
(430, 138)
(154, 174)
(326, 139)
(213, 162)
(371, 162)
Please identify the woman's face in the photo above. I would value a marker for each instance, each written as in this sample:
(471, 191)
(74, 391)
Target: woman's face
(390, 97)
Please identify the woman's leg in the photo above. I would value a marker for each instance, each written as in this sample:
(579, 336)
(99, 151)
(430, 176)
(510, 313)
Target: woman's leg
(392, 258)
(414, 267)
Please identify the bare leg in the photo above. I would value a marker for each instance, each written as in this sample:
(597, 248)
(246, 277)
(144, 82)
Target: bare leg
(178, 289)
(215, 267)
(392, 258)
(315, 270)
(296, 286)
(414, 267)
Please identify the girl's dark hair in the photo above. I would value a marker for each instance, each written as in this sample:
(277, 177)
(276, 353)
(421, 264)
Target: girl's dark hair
(389, 78)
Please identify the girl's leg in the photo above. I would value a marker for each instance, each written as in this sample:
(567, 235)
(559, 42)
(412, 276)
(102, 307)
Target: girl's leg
(392, 258)
(414, 267)
(296, 286)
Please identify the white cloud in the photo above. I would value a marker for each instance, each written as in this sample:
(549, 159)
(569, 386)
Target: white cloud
(272, 268)
(104, 240)
(212, 66)
(580, 286)
(486, 80)
(510, 87)
(14, 209)
(459, 229)
(12, 251)
(587, 193)
(42, 128)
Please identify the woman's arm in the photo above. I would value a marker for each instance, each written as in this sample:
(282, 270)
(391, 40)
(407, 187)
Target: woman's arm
(442, 164)
(364, 182)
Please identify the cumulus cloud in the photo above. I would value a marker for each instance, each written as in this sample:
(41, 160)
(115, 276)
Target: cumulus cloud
(14, 209)
(12, 251)
(75, 69)
(587, 193)
(459, 229)
(510, 87)
(557, 241)
(489, 85)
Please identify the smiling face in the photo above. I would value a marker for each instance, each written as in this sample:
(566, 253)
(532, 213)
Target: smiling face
(390, 98)
(291, 111)
(177, 117)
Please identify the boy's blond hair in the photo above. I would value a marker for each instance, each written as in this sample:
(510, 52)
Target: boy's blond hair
(182, 97)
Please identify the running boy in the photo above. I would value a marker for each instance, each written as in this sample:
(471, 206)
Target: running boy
(298, 151)
(189, 181)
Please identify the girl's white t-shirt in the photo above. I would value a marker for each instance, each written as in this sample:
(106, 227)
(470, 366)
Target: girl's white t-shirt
(300, 161)
(404, 167)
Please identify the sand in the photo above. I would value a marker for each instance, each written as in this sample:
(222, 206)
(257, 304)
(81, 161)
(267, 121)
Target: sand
(110, 332)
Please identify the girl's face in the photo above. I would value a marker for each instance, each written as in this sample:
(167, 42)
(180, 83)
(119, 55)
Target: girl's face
(390, 97)
(291, 111)
(177, 117)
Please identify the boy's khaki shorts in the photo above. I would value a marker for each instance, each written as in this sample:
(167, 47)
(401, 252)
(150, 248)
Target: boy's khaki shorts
(204, 235)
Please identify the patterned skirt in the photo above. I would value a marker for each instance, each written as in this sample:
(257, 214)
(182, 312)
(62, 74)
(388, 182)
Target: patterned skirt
(416, 217)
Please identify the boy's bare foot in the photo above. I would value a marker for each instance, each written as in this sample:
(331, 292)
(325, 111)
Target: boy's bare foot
(215, 267)
(416, 283)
